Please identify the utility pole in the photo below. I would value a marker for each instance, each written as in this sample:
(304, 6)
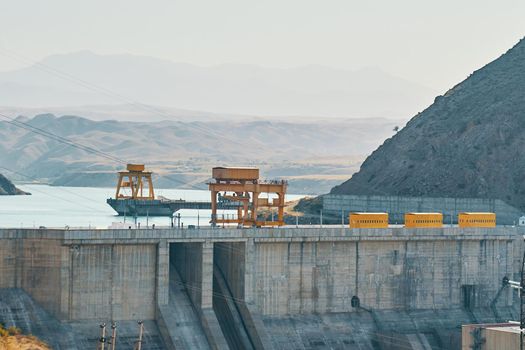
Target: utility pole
(141, 331)
(343, 217)
(113, 335)
(321, 218)
(102, 340)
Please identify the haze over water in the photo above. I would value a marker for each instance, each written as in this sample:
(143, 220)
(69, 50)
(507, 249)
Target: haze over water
(85, 207)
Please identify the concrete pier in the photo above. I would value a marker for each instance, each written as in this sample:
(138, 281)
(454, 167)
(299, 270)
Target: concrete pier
(271, 280)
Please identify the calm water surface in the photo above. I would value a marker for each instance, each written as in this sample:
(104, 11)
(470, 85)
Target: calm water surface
(83, 207)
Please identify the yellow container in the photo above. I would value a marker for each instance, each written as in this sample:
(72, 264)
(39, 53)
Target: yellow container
(477, 220)
(413, 220)
(368, 220)
(135, 167)
(226, 173)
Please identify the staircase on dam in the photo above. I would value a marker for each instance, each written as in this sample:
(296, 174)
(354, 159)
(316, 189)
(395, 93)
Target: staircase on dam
(180, 320)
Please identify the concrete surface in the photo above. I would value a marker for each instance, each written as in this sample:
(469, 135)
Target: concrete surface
(292, 288)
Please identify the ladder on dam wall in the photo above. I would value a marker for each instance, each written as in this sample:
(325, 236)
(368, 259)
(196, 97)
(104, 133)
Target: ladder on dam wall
(179, 320)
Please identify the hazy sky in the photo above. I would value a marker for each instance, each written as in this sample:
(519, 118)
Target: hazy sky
(436, 43)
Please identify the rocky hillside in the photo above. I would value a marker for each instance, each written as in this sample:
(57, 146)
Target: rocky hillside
(7, 187)
(468, 143)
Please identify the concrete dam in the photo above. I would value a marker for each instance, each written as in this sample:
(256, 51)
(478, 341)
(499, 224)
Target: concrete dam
(275, 288)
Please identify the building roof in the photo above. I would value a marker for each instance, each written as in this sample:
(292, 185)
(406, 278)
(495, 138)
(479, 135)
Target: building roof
(236, 167)
(508, 327)
(505, 328)
(477, 213)
(424, 213)
(367, 213)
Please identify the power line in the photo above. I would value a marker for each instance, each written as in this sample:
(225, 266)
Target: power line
(42, 132)
(107, 92)
(41, 183)
(65, 200)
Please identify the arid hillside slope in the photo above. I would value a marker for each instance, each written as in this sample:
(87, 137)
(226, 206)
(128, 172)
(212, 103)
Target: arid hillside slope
(468, 143)
(12, 339)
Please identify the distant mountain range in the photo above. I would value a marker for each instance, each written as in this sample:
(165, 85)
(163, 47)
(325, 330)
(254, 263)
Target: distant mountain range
(85, 78)
(468, 143)
(313, 154)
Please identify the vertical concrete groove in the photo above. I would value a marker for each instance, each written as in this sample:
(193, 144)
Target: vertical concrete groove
(433, 273)
(111, 279)
(357, 268)
(301, 283)
(71, 265)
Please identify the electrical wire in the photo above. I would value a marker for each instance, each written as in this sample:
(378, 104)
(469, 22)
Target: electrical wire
(84, 148)
(104, 91)
(35, 180)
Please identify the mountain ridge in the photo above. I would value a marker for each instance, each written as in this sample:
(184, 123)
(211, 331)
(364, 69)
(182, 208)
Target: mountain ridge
(85, 78)
(466, 144)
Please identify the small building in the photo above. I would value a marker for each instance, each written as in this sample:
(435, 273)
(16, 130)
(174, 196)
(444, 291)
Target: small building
(469, 219)
(498, 336)
(368, 220)
(426, 220)
(521, 221)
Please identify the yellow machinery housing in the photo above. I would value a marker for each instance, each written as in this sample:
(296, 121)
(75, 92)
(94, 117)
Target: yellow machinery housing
(241, 188)
(137, 181)
(235, 174)
(368, 220)
(477, 220)
(428, 220)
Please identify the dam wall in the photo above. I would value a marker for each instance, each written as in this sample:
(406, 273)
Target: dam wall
(263, 283)
(385, 270)
(35, 265)
(397, 206)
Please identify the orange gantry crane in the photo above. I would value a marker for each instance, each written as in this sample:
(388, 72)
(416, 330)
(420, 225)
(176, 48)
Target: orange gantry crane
(135, 179)
(240, 188)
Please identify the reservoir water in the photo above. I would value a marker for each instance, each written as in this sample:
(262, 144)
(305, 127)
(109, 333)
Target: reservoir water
(85, 207)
